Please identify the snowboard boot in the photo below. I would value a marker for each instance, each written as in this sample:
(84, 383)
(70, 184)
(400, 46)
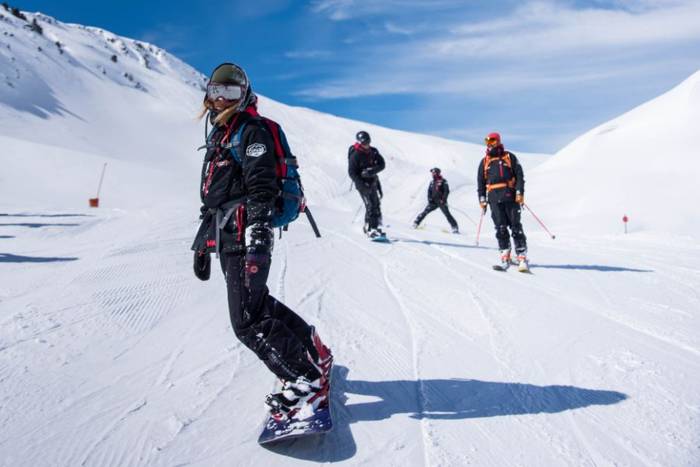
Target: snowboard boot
(297, 399)
(320, 356)
(505, 258)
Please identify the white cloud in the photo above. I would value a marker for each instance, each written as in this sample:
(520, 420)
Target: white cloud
(544, 29)
(540, 44)
(396, 29)
(308, 54)
(340, 10)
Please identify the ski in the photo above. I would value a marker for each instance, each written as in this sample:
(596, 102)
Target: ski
(499, 267)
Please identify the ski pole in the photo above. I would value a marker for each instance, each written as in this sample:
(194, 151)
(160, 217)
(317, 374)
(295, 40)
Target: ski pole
(538, 220)
(465, 215)
(478, 230)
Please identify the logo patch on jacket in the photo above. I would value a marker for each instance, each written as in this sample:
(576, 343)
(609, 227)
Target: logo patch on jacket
(255, 150)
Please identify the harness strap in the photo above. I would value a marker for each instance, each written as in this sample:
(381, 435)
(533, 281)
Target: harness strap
(495, 186)
(223, 215)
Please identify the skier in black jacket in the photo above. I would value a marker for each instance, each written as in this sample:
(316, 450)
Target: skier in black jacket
(238, 189)
(364, 163)
(438, 191)
(501, 185)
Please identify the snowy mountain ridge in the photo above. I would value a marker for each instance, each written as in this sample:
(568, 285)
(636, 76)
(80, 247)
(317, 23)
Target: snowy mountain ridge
(637, 164)
(141, 109)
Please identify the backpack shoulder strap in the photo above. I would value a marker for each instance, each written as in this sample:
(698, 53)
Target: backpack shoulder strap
(277, 135)
(236, 139)
(507, 160)
(487, 162)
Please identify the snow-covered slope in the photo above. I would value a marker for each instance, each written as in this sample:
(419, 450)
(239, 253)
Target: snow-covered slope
(113, 354)
(643, 164)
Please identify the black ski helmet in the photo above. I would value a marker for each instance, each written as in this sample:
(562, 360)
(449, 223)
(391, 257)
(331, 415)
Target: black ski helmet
(230, 73)
(435, 171)
(363, 137)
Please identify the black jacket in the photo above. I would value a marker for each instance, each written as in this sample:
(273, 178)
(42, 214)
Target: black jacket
(438, 191)
(364, 165)
(249, 178)
(499, 172)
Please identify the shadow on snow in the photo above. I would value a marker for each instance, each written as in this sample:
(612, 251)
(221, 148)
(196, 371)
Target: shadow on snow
(448, 244)
(36, 225)
(587, 267)
(10, 258)
(435, 399)
(6, 214)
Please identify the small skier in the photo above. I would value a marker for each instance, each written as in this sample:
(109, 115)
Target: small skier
(239, 193)
(438, 191)
(501, 185)
(364, 163)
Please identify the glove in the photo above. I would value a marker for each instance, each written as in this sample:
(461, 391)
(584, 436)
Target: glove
(256, 268)
(203, 212)
(202, 265)
(483, 203)
(519, 198)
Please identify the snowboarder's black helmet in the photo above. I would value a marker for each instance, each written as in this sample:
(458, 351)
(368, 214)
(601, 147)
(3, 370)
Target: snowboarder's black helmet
(363, 137)
(230, 75)
(435, 171)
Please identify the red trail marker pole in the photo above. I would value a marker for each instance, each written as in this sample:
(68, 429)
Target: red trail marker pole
(95, 202)
(625, 219)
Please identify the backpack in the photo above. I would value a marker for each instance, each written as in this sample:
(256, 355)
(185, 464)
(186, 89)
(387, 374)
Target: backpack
(290, 201)
(506, 162)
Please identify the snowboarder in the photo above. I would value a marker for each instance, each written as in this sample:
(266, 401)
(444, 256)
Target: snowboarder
(364, 163)
(501, 185)
(237, 192)
(438, 191)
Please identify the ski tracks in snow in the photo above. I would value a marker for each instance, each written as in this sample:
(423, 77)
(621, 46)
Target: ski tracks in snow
(412, 332)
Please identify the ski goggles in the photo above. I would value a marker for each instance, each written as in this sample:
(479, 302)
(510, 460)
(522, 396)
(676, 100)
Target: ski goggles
(230, 92)
(491, 141)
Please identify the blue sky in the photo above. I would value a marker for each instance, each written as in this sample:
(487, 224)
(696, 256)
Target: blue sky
(540, 72)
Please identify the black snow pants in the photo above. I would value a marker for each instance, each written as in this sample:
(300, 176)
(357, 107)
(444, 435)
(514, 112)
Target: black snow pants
(277, 335)
(507, 214)
(432, 207)
(373, 211)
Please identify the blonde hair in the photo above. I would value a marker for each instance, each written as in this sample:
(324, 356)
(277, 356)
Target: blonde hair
(222, 117)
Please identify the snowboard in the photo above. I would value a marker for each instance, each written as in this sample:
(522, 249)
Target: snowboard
(380, 239)
(318, 422)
